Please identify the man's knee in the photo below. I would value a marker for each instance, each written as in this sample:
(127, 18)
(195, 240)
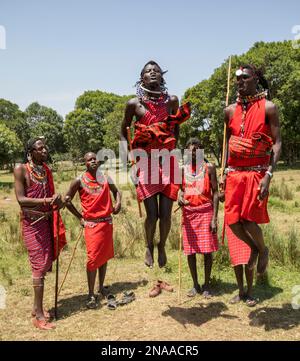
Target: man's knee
(165, 219)
(152, 218)
(236, 227)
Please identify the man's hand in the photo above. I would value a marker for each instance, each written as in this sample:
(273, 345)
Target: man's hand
(82, 222)
(214, 225)
(264, 187)
(117, 208)
(57, 201)
(182, 202)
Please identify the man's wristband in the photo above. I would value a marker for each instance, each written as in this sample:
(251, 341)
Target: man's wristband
(269, 174)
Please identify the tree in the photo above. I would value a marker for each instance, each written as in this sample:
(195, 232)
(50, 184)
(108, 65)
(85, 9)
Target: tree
(10, 146)
(44, 121)
(112, 125)
(281, 64)
(94, 115)
(14, 119)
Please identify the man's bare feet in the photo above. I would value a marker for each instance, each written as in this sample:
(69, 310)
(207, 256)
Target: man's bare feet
(252, 259)
(149, 258)
(263, 261)
(162, 256)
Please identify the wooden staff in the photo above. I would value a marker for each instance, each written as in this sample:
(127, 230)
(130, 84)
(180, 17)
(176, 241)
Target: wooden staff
(71, 260)
(57, 267)
(133, 163)
(179, 265)
(224, 139)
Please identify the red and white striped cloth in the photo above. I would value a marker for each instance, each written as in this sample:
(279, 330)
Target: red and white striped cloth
(38, 237)
(197, 235)
(239, 251)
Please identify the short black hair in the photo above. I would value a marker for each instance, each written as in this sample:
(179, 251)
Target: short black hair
(193, 141)
(30, 147)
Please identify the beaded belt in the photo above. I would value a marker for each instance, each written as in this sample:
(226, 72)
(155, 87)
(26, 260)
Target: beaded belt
(91, 223)
(257, 168)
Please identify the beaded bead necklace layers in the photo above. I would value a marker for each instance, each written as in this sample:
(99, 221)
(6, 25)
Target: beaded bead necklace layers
(245, 101)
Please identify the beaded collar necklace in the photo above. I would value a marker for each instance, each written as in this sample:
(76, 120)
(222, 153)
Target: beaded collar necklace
(37, 172)
(245, 101)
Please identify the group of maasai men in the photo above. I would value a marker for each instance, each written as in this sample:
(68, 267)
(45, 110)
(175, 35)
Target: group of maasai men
(253, 147)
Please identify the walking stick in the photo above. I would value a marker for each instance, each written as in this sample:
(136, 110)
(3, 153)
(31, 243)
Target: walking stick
(57, 267)
(75, 247)
(132, 163)
(224, 139)
(179, 266)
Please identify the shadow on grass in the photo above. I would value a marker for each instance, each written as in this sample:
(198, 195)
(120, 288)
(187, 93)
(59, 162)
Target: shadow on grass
(198, 315)
(263, 290)
(75, 304)
(220, 287)
(272, 318)
(126, 286)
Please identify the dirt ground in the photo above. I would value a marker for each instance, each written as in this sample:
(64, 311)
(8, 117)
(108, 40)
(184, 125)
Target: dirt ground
(160, 318)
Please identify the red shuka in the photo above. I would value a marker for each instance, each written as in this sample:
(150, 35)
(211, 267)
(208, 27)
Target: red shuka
(97, 208)
(241, 193)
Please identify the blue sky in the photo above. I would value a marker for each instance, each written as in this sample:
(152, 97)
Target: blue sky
(55, 50)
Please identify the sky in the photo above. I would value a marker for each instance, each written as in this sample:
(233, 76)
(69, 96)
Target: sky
(55, 50)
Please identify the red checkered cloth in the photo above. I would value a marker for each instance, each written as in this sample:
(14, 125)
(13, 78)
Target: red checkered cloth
(197, 235)
(251, 151)
(164, 182)
(155, 130)
(239, 251)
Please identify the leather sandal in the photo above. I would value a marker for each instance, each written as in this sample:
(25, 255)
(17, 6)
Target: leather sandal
(155, 291)
(43, 324)
(111, 302)
(165, 286)
(128, 296)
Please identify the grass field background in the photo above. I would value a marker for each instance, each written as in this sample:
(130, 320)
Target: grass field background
(166, 317)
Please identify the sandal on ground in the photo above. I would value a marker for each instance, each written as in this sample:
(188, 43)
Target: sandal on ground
(92, 302)
(194, 291)
(111, 302)
(155, 290)
(250, 301)
(236, 299)
(42, 324)
(127, 298)
(165, 286)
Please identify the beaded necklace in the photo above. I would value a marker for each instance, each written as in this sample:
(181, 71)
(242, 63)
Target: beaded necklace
(38, 174)
(245, 101)
(194, 176)
(91, 185)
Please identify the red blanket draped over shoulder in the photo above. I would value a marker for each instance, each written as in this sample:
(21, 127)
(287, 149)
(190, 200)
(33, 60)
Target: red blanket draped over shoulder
(60, 231)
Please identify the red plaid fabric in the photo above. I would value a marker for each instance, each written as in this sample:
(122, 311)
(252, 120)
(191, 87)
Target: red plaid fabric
(250, 152)
(164, 182)
(197, 236)
(38, 237)
(239, 251)
(255, 146)
(155, 130)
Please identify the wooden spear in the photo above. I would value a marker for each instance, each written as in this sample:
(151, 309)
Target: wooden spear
(132, 163)
(224, 150)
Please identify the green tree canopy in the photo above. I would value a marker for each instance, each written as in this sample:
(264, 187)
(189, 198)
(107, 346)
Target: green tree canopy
(44, 121)
(94, 123)
(14, 119)
(10, 145)
(281, 64)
